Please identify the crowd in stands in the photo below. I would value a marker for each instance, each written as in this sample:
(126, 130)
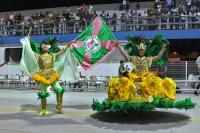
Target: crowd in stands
(164, 15)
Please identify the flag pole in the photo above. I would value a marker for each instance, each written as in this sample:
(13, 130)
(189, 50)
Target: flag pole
(29, 32)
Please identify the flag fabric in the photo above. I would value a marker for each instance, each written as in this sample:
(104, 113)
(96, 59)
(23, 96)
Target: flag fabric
(65, 64)
(93, 44)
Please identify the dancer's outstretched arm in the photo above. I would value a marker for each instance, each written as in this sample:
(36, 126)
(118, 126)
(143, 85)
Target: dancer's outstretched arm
(127, 57)
(160, 54)
(62, 51)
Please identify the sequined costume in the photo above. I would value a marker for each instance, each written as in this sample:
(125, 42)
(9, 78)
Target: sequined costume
(46, 69)
(141, 64)
(141, 89)
(141, 84)
(46, 75)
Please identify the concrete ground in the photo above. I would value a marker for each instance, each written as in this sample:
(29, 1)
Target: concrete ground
(19, 114)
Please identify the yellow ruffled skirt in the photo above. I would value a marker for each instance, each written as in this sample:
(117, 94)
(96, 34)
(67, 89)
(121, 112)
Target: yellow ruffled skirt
(47, 77)
(141, 88)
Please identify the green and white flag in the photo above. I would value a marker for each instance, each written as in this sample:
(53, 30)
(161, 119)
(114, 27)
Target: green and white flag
(65, 64)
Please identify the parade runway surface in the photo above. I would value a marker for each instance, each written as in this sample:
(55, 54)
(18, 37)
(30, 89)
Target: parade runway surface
(19, 114)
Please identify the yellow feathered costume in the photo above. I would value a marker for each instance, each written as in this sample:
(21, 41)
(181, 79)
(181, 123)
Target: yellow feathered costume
(141, 88)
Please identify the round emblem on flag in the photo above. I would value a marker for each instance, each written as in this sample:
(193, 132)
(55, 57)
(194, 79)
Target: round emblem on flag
(92, 44)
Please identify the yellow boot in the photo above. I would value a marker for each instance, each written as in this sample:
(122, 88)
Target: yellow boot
(59, 98)
(61, 102)
(44, 105)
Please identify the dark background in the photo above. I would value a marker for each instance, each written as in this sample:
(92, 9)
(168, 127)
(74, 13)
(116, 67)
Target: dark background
(13, 5)
(13, 55)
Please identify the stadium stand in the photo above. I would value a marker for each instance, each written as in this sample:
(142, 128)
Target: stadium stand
(140, 17)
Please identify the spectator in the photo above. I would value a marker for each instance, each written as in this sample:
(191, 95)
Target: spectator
(90, 9)
(157, 2)
(77, 23)
(114, 21)
(164, 17)
(137, 6)
(173, 3)
(183, 20)
(198, 65)
(169, 4)
(122, 71)
(67, 22)
(122, 19)
(188, 5)
(124, 4)
(140, 22)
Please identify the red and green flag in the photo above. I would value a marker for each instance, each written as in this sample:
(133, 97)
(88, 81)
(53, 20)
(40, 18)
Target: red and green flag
(93, 44)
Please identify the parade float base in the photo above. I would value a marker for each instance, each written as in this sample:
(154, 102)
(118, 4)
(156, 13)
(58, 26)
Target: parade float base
(130, 106)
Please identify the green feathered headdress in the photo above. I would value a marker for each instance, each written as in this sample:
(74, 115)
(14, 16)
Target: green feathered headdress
(54, 45)
(52, 41)
(153, 47)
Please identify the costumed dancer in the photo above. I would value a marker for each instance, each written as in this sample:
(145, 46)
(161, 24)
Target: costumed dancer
(46, 68)
(141, 89)
(198, 65)
(142, 64)
(47, 76)
(141, 85)
(122, 71)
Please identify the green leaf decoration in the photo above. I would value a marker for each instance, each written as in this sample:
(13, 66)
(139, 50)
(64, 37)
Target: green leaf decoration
(129, 106)
(43, 94)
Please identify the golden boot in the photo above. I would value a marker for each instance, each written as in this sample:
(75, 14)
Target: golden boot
(59, 98)
(43, 105)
